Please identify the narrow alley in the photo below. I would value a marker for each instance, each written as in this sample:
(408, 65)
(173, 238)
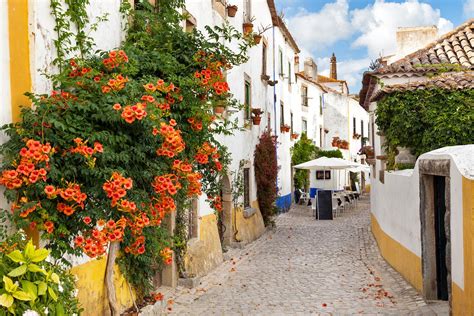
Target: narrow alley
(304, 266)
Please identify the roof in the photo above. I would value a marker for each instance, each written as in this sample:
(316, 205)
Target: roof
(451, 81)
(303, 75)
(453, 51)
(278, 21)
(328, 79)
(453, 48)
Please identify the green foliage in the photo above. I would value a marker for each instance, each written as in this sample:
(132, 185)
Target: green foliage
(31, 283)
(266, 173)
(157, 49)
(329, 153)
(424, 120)
(304, 150)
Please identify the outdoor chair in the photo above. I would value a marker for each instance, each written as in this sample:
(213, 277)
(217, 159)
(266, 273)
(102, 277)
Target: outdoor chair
(313, 206)
(336, 206)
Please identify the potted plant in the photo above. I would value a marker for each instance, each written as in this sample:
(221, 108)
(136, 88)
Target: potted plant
(284, 128)
(257, 38)
(219, 107)
(256, 118)
(248, 26)
(294, 135)
(231, 10)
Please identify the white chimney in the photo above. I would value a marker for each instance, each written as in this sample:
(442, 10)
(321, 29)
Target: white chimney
(411, 39)
(310, 68)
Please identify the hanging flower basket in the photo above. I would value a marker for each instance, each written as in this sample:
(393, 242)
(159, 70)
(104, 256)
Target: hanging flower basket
(285, 128)
(248, 27)
(257, 38)
(294, 135)
(232, 10)
(256, 120)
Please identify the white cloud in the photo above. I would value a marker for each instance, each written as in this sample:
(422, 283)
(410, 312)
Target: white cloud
(378, 23)
(315, 30)
(468, 8)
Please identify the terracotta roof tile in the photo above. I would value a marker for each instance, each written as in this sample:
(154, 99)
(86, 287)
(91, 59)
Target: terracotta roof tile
(451, 81)
(454, 48)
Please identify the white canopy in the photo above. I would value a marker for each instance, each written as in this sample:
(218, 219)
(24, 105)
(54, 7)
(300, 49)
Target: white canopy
(326, 163)
(358, 167)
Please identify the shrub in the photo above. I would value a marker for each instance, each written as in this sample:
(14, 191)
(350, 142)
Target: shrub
(266, 173)
(31, 283)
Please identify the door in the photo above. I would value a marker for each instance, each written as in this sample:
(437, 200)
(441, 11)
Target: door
(439, 185)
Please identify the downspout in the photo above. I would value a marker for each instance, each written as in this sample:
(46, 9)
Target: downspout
(274, 103)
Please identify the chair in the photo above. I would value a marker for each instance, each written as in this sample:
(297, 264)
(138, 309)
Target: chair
(314, 206)
(335, 206)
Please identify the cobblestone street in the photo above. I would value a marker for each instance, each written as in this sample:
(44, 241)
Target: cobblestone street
(304, 266)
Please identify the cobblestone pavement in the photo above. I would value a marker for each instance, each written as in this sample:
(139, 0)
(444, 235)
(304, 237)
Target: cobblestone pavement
(301, 267)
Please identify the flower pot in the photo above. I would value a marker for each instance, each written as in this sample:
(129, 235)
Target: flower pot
(256, 120)
(219, 109)
(232, 10)
(248, 27)
(257, 38)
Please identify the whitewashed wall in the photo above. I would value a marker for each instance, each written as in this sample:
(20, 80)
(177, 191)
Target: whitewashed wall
(42, 35)
(396, 204)
(242, 144)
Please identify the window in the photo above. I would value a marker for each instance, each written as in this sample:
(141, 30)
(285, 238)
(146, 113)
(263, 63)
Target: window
(291, 122)
(354, 127)
(304, 95)
(320, 137)
(304, 126)
(248, 98)
(320, 105)
(264, 59)
(281, 62)
(282, 114)
(193, 219)
(362, 133)
(289, 75)
(246, 187)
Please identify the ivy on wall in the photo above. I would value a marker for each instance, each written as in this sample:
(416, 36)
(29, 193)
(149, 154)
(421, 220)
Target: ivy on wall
(424, 120)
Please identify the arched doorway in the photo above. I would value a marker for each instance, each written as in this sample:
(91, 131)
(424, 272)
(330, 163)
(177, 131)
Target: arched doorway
(224, 222)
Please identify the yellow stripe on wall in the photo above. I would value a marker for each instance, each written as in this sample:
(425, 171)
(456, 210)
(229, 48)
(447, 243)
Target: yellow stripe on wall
(400, 258)
(20, 75)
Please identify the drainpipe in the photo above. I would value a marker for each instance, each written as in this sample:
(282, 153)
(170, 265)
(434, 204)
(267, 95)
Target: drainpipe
(274, 103)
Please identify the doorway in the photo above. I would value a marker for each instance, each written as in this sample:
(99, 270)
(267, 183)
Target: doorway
(439, 185)
(435, 229)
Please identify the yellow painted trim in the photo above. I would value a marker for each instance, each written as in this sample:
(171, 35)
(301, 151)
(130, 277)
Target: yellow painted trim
(400, 258)
(20, 75)
(463, 300)
(92, 293)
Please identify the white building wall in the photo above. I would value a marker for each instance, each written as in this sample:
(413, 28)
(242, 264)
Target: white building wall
(396, 204)
(42, 35)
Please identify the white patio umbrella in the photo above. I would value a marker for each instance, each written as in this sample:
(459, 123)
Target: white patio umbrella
(326, 163)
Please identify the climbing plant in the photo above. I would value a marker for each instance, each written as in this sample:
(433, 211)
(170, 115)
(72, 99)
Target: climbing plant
(424, 120)
(266, 173)
(124, 140)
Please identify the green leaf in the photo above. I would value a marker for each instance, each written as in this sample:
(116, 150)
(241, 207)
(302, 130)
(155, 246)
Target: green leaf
(30, 288)
(55, 278)
(60, 310)
(35, 268)
(18, 271)
(22, 296)
(52, 293)
(29, 249)
(16, 256)
(6, 300)
(39, 255)
(9, 285)
(42, 286)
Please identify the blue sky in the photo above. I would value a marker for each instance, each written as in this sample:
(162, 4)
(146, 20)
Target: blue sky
(358, 31)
